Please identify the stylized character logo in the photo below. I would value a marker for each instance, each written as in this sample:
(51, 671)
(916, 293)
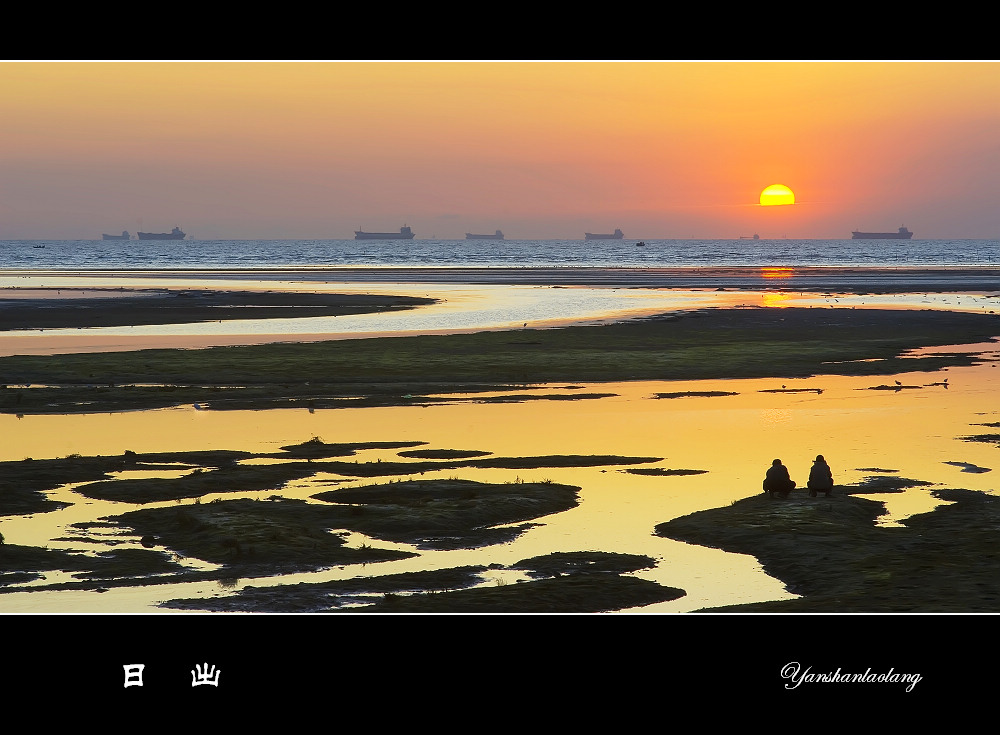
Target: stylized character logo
(205, 675)
(133, 674)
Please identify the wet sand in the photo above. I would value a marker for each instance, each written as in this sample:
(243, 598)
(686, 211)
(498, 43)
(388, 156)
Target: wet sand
(80, 307)
(34, 304)
(27, 313)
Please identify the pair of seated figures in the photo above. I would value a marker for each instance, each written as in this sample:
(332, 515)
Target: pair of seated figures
(777, 482)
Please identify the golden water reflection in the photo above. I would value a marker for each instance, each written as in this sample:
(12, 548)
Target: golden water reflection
(914, 433)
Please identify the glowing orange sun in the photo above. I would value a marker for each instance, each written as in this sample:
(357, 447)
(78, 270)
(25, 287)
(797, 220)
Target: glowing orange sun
(776, 194)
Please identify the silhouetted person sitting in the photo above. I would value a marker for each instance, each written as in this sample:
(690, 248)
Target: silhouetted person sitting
(777, 481)
(820, 478)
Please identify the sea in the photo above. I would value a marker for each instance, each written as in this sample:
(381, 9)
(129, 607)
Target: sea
(674, 253)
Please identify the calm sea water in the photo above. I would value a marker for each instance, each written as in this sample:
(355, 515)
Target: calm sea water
(146, 254)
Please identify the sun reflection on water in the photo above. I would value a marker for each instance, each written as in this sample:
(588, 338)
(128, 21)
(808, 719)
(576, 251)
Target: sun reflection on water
(731, 438)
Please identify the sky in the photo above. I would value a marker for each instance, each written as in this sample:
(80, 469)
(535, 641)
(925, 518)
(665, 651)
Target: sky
(540, 150)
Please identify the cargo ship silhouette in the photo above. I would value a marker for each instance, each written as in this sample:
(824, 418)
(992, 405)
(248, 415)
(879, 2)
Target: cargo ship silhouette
(496, 236)
(174, 234)
(405, 233)
(616, 235)
(901, 234)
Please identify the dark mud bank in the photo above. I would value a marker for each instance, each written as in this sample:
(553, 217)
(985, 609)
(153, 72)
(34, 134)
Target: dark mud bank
(830, 551)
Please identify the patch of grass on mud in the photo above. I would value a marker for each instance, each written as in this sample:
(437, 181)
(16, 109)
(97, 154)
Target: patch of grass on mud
(876, 485)
(567, 583)
(578, 593)
(447, 514)
(316, 448)
(22, 483)
(521, 397)
(817, 391)
(575, 582)
(281, 535)
(829, 551)
(559, 563)
(387, 469)
(443, 453)
(197, 483)
(267, 537)
(662, 471)
(326, 596)
(985, 438)
(20, 564)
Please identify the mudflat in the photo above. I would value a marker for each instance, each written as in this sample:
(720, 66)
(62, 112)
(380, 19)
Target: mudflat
(712, 343)
(106, 307)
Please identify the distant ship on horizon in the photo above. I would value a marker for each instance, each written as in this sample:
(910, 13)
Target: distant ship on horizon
(405, 233)
(495, 236)
(901, 234)
(123, 236)
(174, 234)
(616, 235)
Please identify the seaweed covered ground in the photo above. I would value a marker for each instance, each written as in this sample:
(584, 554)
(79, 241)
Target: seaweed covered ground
(831, 552)
(711, 343)
(556, 583)
(272, 535)
(107, 307)
(283, 534)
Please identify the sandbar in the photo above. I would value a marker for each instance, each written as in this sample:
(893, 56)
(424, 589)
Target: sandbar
(296, 288)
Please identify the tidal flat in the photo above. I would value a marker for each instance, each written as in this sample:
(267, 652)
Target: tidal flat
(698, 345)
(531, 470)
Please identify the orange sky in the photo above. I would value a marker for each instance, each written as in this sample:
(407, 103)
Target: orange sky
(539, 150)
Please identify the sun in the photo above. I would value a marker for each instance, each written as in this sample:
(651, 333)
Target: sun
(776, 194)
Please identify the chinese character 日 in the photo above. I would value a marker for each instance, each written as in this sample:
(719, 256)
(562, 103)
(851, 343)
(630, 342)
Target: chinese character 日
(200, 675)
(133, 674)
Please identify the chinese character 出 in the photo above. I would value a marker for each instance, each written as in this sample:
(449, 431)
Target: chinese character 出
(204, 675)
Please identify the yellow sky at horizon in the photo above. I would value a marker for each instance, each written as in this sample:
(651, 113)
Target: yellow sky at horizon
(539, 149)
